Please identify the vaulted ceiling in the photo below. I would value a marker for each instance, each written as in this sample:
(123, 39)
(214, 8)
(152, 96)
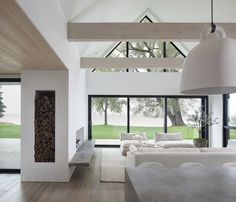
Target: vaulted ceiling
(133, 10)
(19, 49)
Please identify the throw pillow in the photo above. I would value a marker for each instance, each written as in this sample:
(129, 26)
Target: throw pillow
(138, 137)
(167, 136)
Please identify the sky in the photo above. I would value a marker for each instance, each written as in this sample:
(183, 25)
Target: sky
(11, 98)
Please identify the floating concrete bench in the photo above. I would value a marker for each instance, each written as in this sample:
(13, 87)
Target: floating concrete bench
(83, 155)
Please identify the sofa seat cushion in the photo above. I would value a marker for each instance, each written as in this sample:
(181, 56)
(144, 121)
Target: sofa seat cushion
(218, 149)
(132, 148)
(175, 144)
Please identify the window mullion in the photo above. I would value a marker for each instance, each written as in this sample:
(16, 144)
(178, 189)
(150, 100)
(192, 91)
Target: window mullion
(165, 115)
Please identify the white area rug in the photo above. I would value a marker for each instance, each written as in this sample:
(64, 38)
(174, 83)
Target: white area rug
(112, 165)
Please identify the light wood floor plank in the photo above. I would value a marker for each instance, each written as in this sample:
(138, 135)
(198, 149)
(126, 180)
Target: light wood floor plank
(84, 186)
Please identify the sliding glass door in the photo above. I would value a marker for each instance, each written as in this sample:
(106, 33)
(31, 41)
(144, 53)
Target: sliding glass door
(10, 127)
(147, 115)
(111, 115)
(178, 111)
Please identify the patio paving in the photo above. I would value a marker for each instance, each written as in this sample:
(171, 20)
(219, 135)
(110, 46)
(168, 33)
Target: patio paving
(9, 153)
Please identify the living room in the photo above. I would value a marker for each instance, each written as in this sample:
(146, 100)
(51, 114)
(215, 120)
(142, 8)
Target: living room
(112, 72)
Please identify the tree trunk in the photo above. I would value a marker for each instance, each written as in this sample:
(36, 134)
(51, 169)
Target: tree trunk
(105, 112)
(174, 112)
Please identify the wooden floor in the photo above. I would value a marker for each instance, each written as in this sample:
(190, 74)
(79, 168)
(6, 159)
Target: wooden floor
(84, 186)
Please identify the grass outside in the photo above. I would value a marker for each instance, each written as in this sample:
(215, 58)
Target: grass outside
(113, 132)
(233, 134)
(8, 130)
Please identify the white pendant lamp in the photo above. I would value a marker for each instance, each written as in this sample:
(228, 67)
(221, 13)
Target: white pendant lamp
(210, 67)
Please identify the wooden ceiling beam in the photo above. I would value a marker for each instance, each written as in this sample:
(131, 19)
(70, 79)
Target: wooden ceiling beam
(131, 63)
(82, 32)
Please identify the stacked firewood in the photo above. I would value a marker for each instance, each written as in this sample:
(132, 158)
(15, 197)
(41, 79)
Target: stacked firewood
(44, 125)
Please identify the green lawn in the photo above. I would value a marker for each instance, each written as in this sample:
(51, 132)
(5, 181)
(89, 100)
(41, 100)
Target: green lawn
(9, 130)
(232, 134)
(113, 132)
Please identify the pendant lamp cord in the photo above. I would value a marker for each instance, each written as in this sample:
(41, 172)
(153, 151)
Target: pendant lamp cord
(213, 26)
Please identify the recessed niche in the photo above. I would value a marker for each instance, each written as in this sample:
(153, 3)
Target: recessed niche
(44, 126)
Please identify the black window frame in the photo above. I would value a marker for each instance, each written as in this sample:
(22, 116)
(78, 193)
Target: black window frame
(204, 104)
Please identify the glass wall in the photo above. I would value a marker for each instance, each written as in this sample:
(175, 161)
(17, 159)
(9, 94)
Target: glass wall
(232, 110)
(109, 117)
(178, 112)
(10, 128)
(112, 115)
(230, 117)
(147, 115)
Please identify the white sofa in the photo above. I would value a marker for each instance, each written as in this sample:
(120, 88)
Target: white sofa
(170, 158)
(137, 139)
(162, 140)
(171, 140)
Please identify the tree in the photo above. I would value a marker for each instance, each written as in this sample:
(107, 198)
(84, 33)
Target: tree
(154, 107)
(104, 104)
(174, 112)
(2, 106)
(200, 118)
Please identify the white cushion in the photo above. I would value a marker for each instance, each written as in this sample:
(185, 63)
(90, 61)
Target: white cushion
(144, 135)
(148, 149)
(167, 136)
(185, 150)
(126, 143)
(178, 144)
(132, 148)
(151, 164)
(218, 149)
(229, 164)
(160, 150)
(137, 137)
(129, 136)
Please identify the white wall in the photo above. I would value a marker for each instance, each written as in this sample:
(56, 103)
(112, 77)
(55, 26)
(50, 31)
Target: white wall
(33, 80)
(77, 109)
(132, 83)
(48, 17)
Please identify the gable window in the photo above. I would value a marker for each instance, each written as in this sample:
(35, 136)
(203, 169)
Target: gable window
(144, 49)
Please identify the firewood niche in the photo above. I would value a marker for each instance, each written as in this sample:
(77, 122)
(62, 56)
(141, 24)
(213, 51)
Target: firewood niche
(44, 126)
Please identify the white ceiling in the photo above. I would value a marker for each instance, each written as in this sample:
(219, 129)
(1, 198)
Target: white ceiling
(133, 10)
